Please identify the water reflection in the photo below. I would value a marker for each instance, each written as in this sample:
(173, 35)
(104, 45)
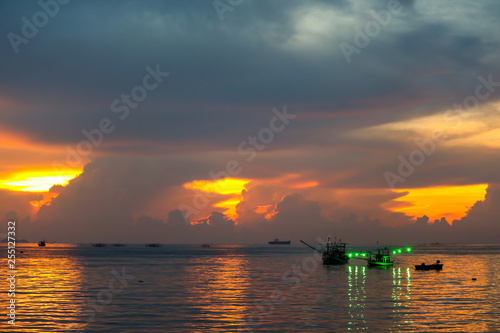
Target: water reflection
(451, 295)
(219, 291)
(48, 290)
(356, 292)
(193, 290)
(401, 297)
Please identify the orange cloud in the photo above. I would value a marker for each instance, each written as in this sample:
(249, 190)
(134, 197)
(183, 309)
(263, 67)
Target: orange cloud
(263, 209)
(306, 184)
(47, 199)
(451, 202)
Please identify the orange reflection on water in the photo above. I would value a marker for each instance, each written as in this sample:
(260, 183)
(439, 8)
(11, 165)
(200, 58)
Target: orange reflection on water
(219, 290)
(48, 287)
(450, 296)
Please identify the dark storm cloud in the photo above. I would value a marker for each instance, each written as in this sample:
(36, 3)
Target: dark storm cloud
(226, 76)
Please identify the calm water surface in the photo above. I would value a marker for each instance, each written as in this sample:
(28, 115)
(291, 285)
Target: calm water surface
(187, 288)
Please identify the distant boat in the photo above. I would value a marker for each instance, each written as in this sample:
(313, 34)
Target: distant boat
(152, 245)
(99, 244)
(423, 267)
(205, 245)
(277, 241)
(334, 253)
(41, 243)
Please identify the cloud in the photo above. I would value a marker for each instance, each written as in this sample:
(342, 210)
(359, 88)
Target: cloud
(17, 203)
(225, 76)
(481, 222)
(353, 120)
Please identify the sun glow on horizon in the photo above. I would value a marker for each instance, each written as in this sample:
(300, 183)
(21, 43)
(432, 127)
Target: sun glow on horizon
(451, 202)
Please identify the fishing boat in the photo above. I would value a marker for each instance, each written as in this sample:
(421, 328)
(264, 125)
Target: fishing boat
(334, 253)
(41, 243)
(382, 258)
(423, 267)
(276, 241)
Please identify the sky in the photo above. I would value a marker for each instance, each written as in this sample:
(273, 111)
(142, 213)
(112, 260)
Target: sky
(243, 121)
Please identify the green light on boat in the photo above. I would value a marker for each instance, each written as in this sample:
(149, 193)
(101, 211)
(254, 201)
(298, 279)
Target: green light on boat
(350, 255)
(399, 250)
(408, 249)
(393, 252)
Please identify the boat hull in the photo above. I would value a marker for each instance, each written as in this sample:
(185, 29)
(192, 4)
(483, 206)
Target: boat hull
(279, 242)
(380, 264)
(334, 260)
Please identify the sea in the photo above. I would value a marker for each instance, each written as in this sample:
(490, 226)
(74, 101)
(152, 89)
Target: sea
(247, 288)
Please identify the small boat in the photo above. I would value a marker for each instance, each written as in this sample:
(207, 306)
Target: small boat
(277, 241)
(205, 245)
(152, 245)
(41, 243)
(423, 267)
(99, 244)
(334, 253)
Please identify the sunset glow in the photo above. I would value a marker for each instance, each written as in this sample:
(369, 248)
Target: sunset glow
(227, 186)
(222, 186)
(306, 184)
(230, 206)
(37, 180)
(451, 202)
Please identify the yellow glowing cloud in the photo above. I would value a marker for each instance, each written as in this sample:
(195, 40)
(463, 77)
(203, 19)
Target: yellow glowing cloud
(226, 186)
(230, 206)
(37, 180)
(221, 186)
(451, 202)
